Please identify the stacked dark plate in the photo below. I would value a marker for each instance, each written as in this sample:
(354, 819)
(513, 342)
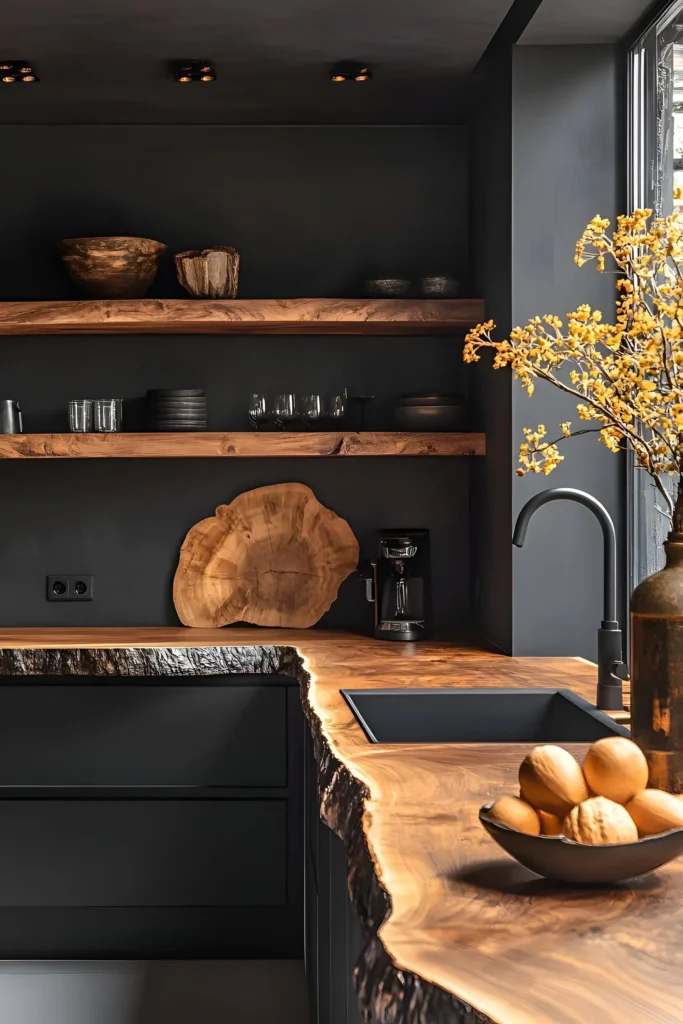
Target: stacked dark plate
(430, 412)
(175, 410)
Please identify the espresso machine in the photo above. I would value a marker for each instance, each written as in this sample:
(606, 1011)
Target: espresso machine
(399, 586)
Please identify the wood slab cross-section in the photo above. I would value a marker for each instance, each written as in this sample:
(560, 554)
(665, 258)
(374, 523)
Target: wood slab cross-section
(242, 316)
(273, 557)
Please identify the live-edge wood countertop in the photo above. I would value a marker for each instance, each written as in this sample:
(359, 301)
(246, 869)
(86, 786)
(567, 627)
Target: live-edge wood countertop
(456, 930)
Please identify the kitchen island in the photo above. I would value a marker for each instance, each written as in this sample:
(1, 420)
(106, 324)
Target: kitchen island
(455, 931)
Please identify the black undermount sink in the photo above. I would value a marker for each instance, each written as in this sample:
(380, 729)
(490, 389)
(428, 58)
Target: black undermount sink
(479, 715)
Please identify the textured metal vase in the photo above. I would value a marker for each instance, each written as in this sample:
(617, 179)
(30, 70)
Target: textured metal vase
(657, 669)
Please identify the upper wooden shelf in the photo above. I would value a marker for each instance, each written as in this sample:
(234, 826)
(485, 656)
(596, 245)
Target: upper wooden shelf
(242, 316)
(240, 445)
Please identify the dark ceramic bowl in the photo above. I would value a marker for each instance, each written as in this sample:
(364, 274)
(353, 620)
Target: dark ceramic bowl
(566, 861)
(440, 286)
(387, 287)
(416, 398)
(176, 393)
(429, 417)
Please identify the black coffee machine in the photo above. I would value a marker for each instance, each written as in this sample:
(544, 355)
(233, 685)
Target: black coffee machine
(400, 586)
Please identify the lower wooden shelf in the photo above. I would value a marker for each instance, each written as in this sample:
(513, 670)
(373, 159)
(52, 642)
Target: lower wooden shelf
(245, 445)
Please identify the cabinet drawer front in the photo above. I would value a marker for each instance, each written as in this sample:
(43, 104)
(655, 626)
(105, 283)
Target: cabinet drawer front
(142, 735)
(143, 853)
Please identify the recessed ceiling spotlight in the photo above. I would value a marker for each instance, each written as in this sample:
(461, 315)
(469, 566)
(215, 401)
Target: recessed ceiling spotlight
(17, 71)
(350, 71)
(194, 71)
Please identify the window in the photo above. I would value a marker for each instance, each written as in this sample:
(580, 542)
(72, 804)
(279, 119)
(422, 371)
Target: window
(655, 175)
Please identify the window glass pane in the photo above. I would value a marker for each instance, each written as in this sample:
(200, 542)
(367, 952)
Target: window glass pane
(656, 170)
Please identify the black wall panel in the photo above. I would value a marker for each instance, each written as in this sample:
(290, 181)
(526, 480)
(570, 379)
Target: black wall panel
(313, 211)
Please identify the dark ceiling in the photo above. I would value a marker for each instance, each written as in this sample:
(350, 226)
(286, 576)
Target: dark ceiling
(575, 22)
(103, 61)
(106, 61)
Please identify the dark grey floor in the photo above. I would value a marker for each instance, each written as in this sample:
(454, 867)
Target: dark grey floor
(168, 992)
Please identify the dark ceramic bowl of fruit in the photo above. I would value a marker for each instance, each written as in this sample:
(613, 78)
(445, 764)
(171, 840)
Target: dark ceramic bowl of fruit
(564, 860)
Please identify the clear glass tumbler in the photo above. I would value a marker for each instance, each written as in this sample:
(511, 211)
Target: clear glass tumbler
(80, 415)
(107, 415)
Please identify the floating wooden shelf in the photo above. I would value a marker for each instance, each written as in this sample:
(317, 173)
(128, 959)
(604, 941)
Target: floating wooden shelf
(242, 316)
(247, 445)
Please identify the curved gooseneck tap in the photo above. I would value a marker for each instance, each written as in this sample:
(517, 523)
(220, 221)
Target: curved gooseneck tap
(611, 668)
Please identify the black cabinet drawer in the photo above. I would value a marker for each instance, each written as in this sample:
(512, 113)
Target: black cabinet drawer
(143, 853)
(142, 735)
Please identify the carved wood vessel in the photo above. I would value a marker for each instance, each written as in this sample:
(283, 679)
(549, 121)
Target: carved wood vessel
(273, 557)
(209, 273)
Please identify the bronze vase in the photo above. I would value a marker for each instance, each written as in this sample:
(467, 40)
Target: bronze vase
(657, 668)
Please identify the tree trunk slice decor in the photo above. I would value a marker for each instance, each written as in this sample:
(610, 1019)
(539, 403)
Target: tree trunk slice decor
(273, 557)
(116, 267)
(209, 273)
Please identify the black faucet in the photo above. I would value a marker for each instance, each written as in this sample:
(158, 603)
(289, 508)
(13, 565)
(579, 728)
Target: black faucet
(611, 667)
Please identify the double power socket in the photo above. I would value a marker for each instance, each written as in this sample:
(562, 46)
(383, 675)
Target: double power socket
(70, 588)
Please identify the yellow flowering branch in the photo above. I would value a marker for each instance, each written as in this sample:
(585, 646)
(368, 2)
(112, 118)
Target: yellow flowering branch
(625, 376)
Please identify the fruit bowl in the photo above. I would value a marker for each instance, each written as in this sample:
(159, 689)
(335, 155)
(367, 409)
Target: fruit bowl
(563, 860)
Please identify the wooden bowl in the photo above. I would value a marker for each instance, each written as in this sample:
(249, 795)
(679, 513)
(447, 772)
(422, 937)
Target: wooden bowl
(115, 267)
(563, 860)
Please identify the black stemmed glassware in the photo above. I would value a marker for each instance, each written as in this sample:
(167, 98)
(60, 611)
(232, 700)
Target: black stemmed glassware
(285, 412)
(311, 409)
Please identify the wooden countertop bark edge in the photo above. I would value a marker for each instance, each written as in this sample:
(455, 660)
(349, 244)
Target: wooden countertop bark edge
(387, 989)
(403, 959)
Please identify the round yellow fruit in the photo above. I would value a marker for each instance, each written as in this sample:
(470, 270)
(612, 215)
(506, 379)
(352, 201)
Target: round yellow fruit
(515, 813)
(616, 767)
(655, 811)
(599, 821)
(551, 825)
(551, 780)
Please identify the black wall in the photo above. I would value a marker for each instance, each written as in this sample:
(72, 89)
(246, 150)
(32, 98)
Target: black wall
(566, 107)
(311, 210)
(547, 131)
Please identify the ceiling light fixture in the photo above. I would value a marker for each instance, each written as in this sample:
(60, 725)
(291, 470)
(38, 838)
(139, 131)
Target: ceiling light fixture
(350, 71)
(194, 71)
(17, 71)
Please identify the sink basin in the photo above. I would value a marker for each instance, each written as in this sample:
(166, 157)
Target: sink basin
(479, 715)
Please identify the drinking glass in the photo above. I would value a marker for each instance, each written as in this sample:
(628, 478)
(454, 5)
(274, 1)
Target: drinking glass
(311, 409)
(107, 415)
(80, 415)
(258, 409)
(336, 407)
(285, 410)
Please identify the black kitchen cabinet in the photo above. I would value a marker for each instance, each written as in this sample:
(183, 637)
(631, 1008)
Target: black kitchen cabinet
(144, 818)
(334, 938)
